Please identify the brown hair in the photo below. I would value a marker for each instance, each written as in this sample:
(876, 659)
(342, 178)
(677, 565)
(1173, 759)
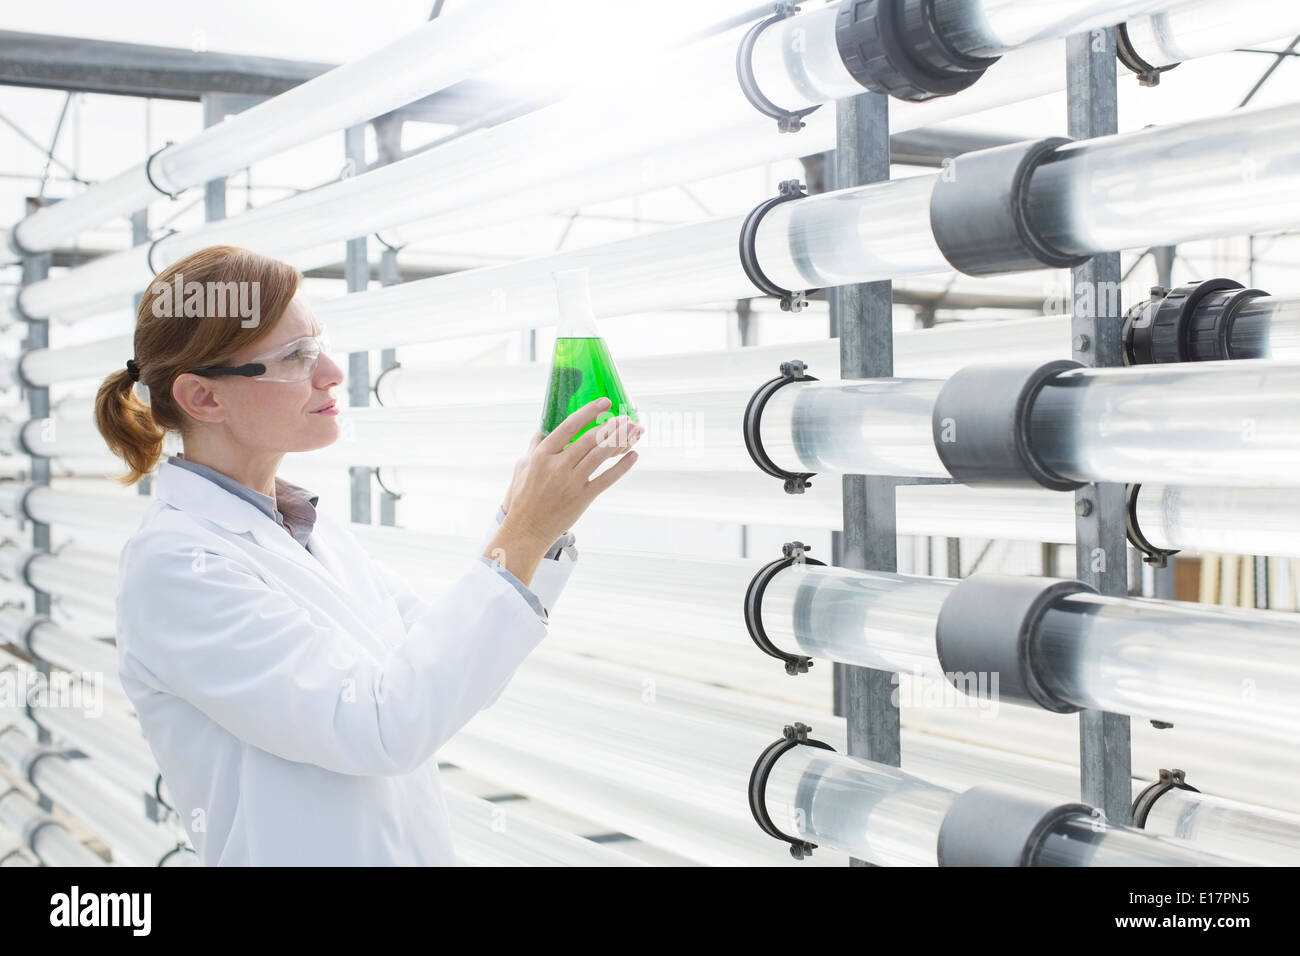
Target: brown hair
(168, 342)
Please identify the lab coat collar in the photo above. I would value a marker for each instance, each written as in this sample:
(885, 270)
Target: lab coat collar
(204, 498)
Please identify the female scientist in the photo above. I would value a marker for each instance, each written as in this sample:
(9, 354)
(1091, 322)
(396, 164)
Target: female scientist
(292, 689)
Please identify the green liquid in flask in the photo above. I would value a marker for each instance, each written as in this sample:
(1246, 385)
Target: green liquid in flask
(581, 372)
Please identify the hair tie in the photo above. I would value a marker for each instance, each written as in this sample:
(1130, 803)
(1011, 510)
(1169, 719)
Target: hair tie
(133, 370)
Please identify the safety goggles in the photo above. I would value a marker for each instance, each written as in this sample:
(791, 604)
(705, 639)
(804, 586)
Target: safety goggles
(292, 362)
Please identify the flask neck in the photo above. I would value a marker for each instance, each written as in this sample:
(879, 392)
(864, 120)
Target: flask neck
(576, 327)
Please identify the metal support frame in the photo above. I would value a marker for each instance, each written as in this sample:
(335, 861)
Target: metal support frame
(388, 146)
(356, 270)
(34, 269)
(1105, 746)
(863, 315)
(215, 108)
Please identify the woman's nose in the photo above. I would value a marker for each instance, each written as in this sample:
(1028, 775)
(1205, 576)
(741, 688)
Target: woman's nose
(328, 370)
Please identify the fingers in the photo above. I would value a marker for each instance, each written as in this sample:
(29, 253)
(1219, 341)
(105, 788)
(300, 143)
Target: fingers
(621, 427)
(612, 474)
(576, 422)
(535, 440)
(618, 436)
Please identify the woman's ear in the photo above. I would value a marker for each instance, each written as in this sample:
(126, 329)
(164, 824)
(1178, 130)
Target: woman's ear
(196, 396)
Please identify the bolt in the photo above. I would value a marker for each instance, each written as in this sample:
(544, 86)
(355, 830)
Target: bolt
(1082, 343)
(1083, 507)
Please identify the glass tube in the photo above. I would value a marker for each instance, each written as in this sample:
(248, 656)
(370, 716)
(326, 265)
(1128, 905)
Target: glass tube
(86, 360)
(1183, 663)
(1025, 514)
(112, 740)
(52, 844)
(1223, 520)
(879, 231)
(489, 834)
(1192, 30)
(79, 789)
(430, 58)
(870, 426)
(870, 811)
(1132, 189)
(1085, 840)
(689, 431)
(1267, 327)
(921, 353)
(468, 168)
(990, 27)
(119, 512)
(1262, 836)
(870, 618)
(1202, 423)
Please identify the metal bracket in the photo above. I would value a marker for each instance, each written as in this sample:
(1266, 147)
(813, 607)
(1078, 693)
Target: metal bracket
(792, 736)
(153, 244)
(1156, 557)
(374, 388)
(1168, 780)
(794, 552)
(380, 481)
(1147, 75)
(791, 300)
(148, 171)
(787, 121)
(792, 371)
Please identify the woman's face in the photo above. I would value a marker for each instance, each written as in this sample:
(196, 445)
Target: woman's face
(281, 416)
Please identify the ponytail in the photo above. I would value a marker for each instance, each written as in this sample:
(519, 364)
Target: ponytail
(128, 426)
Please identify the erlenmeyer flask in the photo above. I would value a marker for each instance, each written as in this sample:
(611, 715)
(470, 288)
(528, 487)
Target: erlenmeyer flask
(582, 369)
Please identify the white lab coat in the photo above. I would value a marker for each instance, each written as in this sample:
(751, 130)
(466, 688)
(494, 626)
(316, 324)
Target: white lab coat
(293, 701)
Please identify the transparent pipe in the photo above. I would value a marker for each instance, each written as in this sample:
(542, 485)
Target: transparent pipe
(689, 431)
(1220, 520)
(927, 353)
(1162, 660)
(107, 511)
(113, 741)
(489, 834)
(1203, 423)
(868, 810)
(649, 121)
(51, 843)
(93, 660)
(989, 27)
(1183, 663)
(1084, 840)
(671, 773)
(1132, 189)
(887, 817)
(432, 57)
(1026, 514)
(1206, 423)
(1267, 327)
(1262, 836)
(873, 426)
(872, 618)
(1192, 30)
(113, 815)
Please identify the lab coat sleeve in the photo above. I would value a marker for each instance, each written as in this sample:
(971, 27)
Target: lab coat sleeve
(254, 661)
(553, 571)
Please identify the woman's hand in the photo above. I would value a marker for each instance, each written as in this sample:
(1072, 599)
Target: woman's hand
(521, 469)
(552, 487)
